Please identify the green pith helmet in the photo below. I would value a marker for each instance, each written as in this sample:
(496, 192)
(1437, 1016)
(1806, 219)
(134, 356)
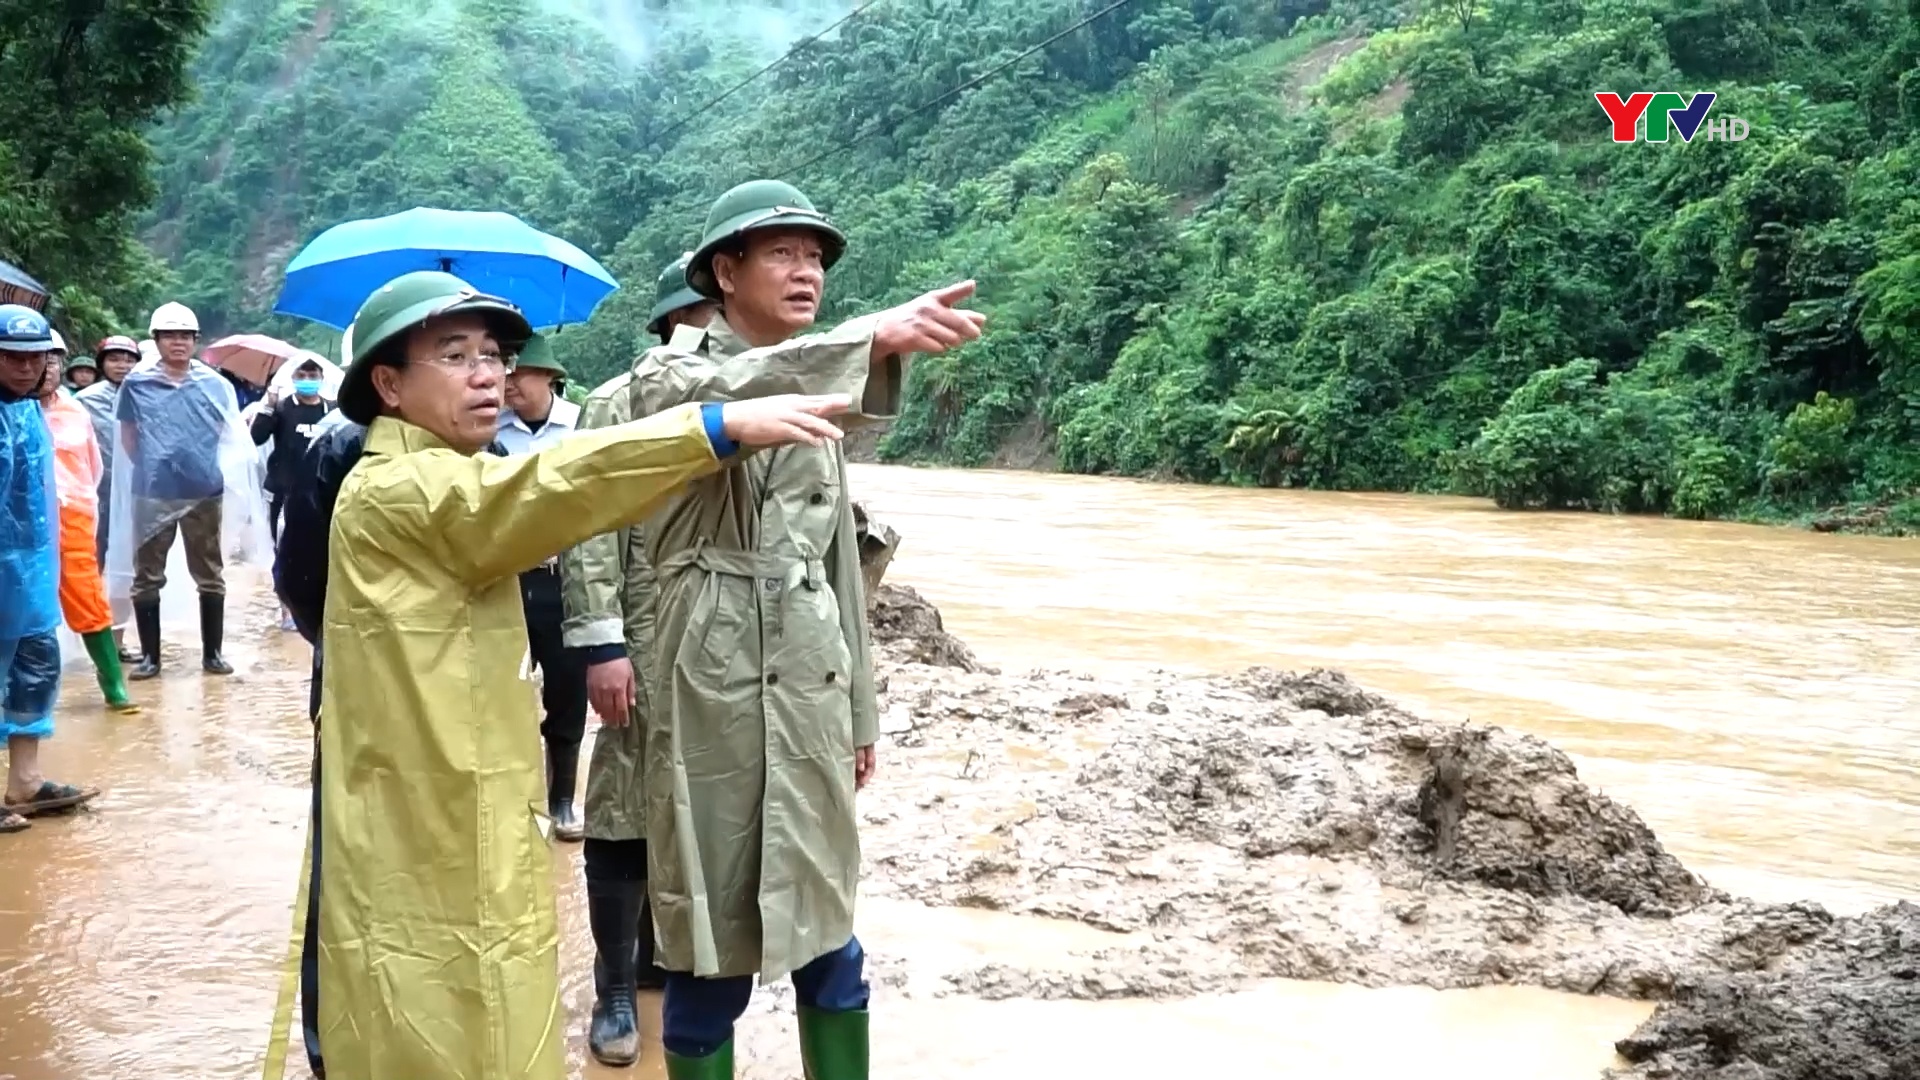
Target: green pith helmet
(402, 304)
(82, 362)
(754, 205)
(672, 293)
(538, 353)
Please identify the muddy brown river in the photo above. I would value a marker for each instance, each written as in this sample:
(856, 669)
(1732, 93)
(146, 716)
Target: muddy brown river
(1754, 693)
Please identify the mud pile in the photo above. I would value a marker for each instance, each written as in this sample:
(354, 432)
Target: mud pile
(1846, 1006)
(1273, 824)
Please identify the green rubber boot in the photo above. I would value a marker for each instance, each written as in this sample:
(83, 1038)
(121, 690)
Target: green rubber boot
(106, 667)
(715, 1066)
(833, 1045)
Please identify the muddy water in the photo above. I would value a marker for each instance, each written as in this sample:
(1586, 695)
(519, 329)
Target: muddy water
(1753, 692)
(1749, 690)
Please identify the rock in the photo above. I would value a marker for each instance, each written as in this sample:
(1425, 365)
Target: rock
(878, 542)
(1847, 1007)
(1510, 811)
(902, 616)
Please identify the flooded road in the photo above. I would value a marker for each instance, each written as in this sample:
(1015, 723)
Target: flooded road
(1752, 692)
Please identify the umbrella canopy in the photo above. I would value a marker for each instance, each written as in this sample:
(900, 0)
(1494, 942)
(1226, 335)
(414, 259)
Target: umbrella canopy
(553, 282)
(17, 287)
(253, 357)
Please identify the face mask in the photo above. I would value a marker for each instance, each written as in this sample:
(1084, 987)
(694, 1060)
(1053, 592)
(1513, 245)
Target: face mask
(307, 387)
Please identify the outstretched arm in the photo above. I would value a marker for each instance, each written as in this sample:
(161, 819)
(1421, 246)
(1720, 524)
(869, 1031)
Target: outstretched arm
(839, 361)
(484, 518)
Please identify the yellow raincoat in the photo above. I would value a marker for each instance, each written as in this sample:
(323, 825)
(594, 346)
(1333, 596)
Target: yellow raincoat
(439, 949)
(763, 680)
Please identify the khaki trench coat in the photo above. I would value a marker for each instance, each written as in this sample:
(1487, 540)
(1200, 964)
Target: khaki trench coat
(608, 589)
(439, 949)
(763, 678)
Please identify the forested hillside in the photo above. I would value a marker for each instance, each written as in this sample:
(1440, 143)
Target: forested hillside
(1358, 245)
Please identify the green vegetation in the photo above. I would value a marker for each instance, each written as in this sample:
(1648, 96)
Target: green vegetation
(1357, 245)
(79, 85)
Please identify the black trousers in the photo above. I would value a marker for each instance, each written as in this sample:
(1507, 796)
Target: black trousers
(276, 505)
(563, 673)
(616, 860)
(310, 942)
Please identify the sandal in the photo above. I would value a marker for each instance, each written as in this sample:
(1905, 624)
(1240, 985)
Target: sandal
(12, 822)
(51, 798)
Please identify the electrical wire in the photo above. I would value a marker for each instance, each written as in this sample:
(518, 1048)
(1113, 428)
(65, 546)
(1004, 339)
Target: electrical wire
(950, 94)
(743, 83)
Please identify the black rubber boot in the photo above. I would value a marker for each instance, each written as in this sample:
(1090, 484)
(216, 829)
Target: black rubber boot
(213, 621)
(146, 623)
(563, 771)
(647, 975)
(613, 913)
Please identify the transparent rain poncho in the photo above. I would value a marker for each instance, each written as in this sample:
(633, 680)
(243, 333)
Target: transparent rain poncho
(29, 525)
(180, 443)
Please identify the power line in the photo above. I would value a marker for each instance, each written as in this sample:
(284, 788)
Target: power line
(742, 84)
(962, 88)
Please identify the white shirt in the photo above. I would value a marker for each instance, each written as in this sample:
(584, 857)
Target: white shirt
(518, 438)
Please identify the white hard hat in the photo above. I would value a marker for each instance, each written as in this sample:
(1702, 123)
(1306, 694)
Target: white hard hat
(173, 316)
(148, 350)
(59, 343)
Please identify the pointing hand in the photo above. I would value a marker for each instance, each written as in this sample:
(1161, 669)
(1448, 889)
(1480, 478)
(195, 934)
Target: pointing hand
(929, 323)
(786, 418)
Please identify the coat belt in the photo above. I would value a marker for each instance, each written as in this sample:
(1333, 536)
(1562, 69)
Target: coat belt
(778, 571)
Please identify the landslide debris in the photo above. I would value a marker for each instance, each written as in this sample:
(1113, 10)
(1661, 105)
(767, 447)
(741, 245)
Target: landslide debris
(1278, 824)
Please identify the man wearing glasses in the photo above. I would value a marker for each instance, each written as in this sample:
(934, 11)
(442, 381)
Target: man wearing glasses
(439, 947)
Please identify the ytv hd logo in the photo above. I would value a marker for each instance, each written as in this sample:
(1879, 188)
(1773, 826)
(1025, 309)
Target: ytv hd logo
(1668, 110)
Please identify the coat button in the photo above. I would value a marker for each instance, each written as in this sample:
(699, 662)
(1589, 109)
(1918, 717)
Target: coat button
(772, 584)
(816, 498)
(831, 675)
(772, 679)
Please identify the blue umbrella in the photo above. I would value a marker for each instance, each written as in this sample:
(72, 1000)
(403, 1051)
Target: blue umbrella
(553, 282)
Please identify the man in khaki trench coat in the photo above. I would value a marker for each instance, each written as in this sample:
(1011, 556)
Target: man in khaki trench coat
(762, 714)
(607, 589)
(439, 947)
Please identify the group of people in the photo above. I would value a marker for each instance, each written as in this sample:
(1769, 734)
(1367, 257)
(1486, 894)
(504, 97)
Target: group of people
(678, 555)
(106, 461)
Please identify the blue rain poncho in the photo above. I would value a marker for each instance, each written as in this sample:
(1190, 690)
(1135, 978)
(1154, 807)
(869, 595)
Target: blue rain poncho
(29, 524)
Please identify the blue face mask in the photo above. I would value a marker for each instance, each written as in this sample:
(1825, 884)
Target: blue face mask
(307, 387)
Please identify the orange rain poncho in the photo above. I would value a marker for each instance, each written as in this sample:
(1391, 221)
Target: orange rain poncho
(77, 467)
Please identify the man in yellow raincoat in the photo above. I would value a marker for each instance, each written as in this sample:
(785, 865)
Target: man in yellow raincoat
(607, 591)
(762, 714)
(438, 942)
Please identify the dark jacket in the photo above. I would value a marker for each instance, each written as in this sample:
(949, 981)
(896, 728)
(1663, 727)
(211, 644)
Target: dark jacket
(300, 561)
(290, 425)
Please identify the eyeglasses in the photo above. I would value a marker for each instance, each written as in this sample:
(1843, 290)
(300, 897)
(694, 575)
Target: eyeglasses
(460, 362)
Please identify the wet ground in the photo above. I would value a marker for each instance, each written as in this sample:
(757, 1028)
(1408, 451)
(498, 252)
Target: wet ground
(1744, 692)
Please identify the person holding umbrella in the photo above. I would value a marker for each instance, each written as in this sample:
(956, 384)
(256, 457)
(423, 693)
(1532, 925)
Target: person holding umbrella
(438, 942)
(609, 589)
(763, 714)
(538, 417)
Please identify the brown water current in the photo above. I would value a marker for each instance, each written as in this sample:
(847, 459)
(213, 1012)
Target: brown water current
(1753, 693)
